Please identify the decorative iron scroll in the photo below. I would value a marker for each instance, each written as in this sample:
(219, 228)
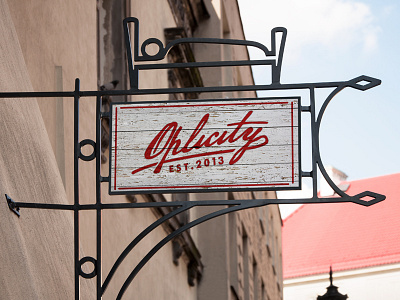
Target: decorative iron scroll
(361, 83)
(143, 56)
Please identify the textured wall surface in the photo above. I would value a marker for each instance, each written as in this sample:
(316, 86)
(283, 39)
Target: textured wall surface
(36, 252)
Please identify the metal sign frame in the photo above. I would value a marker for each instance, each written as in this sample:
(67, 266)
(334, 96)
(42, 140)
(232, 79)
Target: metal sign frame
(291, 183)
(361, 83)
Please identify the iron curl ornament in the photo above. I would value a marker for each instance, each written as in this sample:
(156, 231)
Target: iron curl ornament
(139, 59)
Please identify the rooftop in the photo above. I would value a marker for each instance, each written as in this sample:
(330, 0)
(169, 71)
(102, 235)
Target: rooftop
(344, 235)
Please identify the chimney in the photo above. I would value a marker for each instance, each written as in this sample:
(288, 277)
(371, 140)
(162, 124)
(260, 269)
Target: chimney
(337, 177)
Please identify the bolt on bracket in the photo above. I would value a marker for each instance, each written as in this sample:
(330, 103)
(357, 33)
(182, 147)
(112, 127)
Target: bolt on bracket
(12, 205)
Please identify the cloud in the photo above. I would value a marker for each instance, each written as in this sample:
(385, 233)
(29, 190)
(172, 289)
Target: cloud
(388, 9)
(328, 25)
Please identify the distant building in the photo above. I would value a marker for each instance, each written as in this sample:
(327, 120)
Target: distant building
(362, 244)
(44, 46)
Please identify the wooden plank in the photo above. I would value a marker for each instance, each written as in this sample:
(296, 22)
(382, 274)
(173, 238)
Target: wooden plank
(270, 155)
(215, 175)
(140, 140)
(205, 145)
(276, 118)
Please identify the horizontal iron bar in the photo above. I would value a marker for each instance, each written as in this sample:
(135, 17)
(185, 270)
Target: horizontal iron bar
(105, 114)
(274, 86)
(44, 206)
(36, 94)
(306, 174)
(181, 203)
(206, 64)
(104, 179)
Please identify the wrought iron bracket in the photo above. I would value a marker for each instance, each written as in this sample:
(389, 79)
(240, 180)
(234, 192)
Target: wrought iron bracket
(366, 198)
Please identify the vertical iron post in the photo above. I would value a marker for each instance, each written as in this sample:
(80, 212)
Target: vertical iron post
(98, 196)
(76, 186)
(314, 142)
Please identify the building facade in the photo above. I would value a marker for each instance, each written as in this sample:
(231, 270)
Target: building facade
(45, 46)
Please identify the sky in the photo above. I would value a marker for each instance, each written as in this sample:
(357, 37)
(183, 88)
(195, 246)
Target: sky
(338, 40)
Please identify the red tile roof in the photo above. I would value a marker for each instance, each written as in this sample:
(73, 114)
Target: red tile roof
(344, 235)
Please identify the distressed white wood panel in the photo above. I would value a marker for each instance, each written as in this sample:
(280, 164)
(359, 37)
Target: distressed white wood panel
(137, 140)
(270, 155)
(216, 176)
(276, 118)
(211, 106)
(205, 145)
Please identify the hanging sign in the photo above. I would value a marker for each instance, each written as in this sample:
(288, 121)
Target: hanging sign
(213, 145)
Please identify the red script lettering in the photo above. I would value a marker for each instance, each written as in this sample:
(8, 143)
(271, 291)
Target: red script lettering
(166, 145)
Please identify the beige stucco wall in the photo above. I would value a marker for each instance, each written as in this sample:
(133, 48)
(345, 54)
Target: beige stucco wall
(60, 34)
(63, 34)
(49, 44)
(36, 261)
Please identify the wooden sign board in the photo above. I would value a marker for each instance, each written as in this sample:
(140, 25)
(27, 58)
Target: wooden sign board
(204, 146)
